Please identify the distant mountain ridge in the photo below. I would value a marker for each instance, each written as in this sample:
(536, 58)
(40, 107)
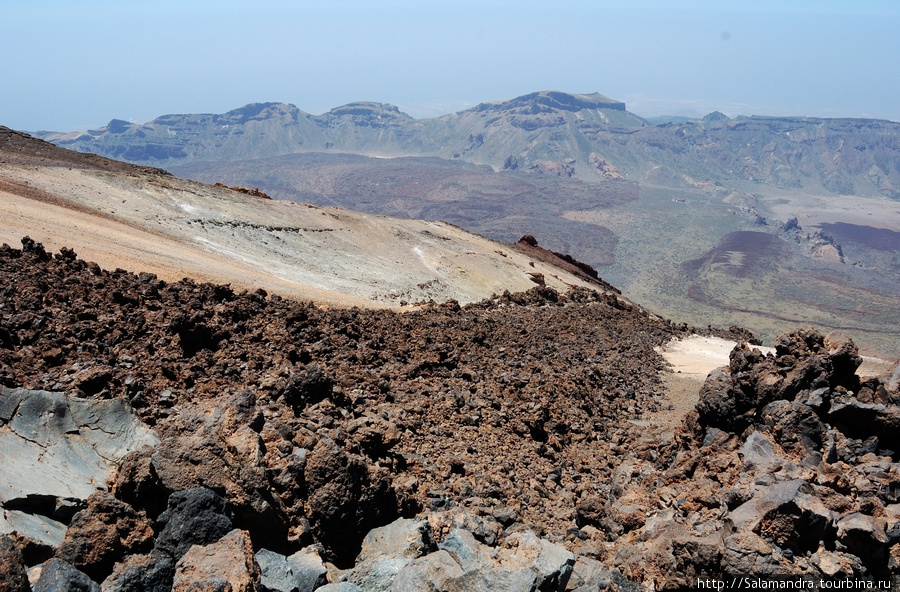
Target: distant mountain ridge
(587, 136)
(267, 129)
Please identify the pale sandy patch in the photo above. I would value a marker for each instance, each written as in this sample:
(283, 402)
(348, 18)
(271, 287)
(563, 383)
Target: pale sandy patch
(813, 210)
(697, 356)
(693, 358)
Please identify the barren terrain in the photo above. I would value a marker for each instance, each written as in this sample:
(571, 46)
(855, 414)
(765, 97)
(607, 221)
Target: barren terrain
(557, 437)
(175, 228)
(534, 414)
(585, 176)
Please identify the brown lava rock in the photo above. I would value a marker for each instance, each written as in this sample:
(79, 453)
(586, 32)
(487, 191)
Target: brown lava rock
(12, 567)
(315, 424)
(104, 533)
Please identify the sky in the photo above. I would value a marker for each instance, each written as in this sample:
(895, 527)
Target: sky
(70, 65)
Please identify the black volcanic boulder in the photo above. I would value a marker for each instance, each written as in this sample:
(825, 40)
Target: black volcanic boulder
(716, 406)
(141, 573)
(194, 517)
(864, 420)
(799, 429)
(845, 360)
(34, 248)
(60, 576)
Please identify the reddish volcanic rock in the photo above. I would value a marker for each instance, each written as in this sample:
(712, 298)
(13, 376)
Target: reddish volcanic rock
(228, 564)
(104, 533)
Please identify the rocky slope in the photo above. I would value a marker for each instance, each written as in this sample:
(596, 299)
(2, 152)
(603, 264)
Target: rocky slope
(516, 431)
(787, 469)
(313, 425)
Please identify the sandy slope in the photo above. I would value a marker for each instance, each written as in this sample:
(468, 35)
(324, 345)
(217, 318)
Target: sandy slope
(177, 228)
(113, 245)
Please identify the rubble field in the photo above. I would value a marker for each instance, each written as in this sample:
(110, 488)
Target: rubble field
(504, 444)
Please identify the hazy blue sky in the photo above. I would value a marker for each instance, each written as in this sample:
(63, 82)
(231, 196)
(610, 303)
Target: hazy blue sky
(75, 64)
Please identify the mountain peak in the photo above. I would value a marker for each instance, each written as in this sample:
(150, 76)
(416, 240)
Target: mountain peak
(118, 126)
(552, 100)
(258, 112)
(715, 116)
(369, 109)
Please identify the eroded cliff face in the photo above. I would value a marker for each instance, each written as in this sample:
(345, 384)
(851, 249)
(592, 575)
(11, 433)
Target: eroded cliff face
(588, 136)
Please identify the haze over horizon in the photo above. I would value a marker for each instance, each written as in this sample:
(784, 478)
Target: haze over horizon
(80, 64)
